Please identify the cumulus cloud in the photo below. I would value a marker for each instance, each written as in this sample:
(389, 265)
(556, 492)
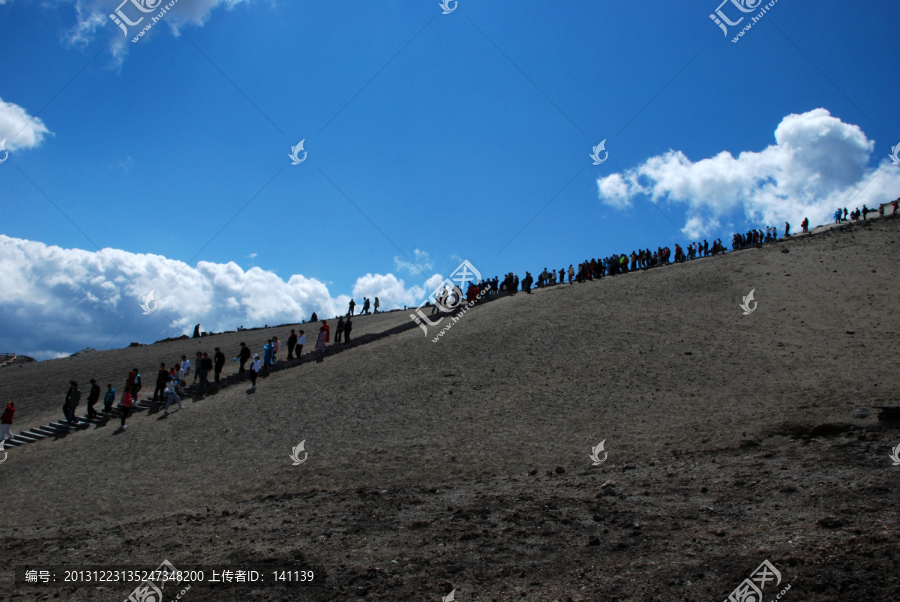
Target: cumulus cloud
(92, 15)
(817, 164)
(55, 301)
(420, 261)
(391, 291)
(19, 129)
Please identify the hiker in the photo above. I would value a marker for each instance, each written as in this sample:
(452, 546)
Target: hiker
(365, 308)
(171, 395)
(895, 204)
(206, 366)
(837, 216)
(197, 359)
(6, 423)
(109, 399)
(179, 376)
(136, 384)
(244, 355)
(348, 326)
(267, 354)
(127, 403)
(787, 229)
(219, 360)
(320, 341)
(314, 318)
(805, 225)
(327, 331)
(254, 371)
(377, 304)
(292, 342)
(275, 345)
(301, 341)
(159, 393)
(865, 211)
(93, 398)
(352, 305)
(186, 366)
(339, 330)
(73, 396)
(196, 331)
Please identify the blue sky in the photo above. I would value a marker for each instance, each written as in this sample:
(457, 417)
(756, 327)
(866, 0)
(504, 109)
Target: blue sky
(460, 140)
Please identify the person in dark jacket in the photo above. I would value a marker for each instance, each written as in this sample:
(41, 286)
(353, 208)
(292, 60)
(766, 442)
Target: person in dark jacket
(219, 360)
(243, 357)
(162, 377)
(348, 326)
(339, 330)
(292, 342)
(73, 396)
(206, 366)
(6, 423)
(136, 385)
(93, 398)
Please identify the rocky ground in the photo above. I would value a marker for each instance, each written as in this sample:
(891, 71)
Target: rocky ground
(464, 464)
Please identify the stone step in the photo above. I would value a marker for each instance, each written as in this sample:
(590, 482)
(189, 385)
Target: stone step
(33, 436)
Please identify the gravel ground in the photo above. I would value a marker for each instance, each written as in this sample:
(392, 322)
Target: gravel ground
(464, 464)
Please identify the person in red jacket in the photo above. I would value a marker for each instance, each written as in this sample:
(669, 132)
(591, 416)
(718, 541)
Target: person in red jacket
(6, 423)
(327, 331)
(127, 404)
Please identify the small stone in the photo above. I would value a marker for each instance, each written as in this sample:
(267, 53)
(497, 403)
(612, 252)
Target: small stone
(704, 490)
(611, 491)
(533, 471)
(594, 541)
(861, 413)
(560, 470)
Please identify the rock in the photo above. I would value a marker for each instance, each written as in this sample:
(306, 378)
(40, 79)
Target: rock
(533, 471)
(704, 490)
(785, 250)
(560, 470)
(829, 430)
(610, 491)
(862, 414)
(593, 541)
(607, 484)
(829, 522)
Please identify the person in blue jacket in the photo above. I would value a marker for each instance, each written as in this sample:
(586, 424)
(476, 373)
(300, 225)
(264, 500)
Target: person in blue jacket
(268, 350)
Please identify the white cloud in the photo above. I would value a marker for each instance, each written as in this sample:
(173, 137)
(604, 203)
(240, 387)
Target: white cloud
(391, 291)
(420, 261)
(92, 15)
(19, 129)
(817, 164)
(56, 301)
(253, 255)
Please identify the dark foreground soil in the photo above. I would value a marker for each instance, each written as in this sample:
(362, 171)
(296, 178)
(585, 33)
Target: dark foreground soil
(464, 464)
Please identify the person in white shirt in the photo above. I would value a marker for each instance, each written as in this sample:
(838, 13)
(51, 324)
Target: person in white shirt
(254, 370)
(301, 341)
(186, 366)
